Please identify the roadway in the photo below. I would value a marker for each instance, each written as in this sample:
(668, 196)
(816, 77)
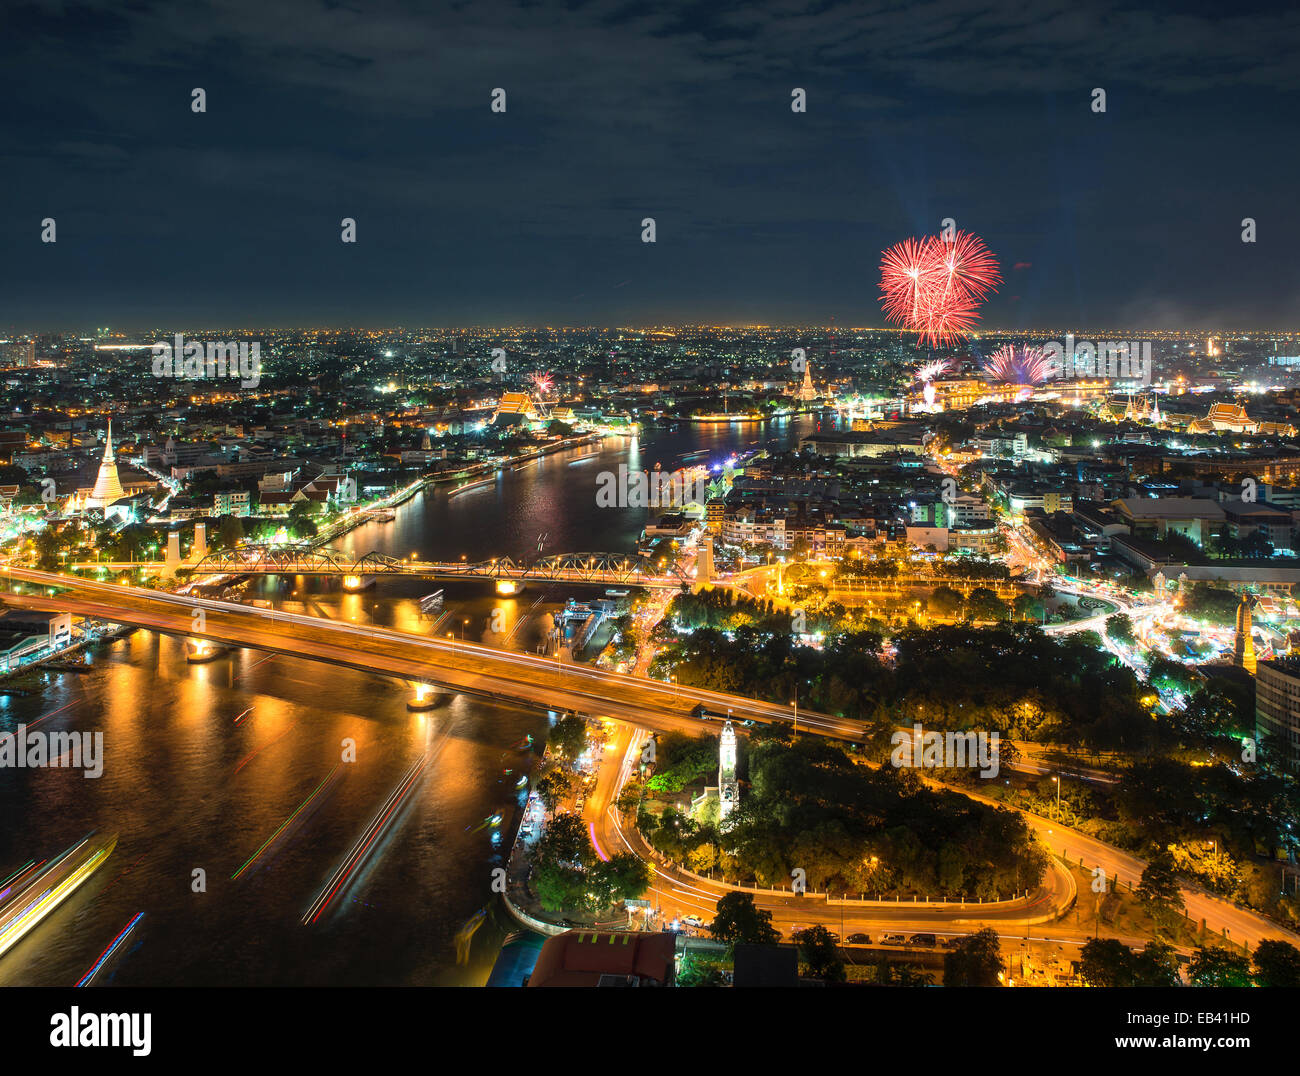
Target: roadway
(677, 894)
(460, 666)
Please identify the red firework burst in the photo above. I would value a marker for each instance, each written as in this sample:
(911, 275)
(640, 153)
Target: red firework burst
(1018, 365)
(936, 285)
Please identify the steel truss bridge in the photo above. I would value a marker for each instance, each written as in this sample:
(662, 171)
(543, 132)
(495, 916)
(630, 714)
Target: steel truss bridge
(606, 568)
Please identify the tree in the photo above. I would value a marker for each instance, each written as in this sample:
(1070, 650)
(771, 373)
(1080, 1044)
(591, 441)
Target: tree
(230, 532)
(975, 961)
(567, 873)
(821, 954)
(302, 527)
(1277, 963)
(552, 787)
(1156, 965)
(1028, 607)
(629, 798)
(1219, 967)
(946, 601)
(699, 971)
(1120, 628)
(1159, 889)
(738, 920)
(569, 736)
(1106, 962)
(984, 604)
(624, 876)
(47, 549)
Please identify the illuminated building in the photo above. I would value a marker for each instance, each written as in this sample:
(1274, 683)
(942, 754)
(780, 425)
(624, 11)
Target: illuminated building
(1277, 705)
(1243, 646)
(728, 786)
(108, 486)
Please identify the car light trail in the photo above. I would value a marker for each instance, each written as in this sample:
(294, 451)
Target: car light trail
(373, 832)
(596, 844)
(112, 948)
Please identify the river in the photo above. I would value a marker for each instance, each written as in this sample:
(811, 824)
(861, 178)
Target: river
(227, 786)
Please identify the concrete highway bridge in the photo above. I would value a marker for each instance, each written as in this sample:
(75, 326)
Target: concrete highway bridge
(610, 569)
(457, 666)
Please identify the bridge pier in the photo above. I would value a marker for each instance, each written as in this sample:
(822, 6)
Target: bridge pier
(354, 584)
(199, 651)
(172, 560)
(425, 698)
(508, 588)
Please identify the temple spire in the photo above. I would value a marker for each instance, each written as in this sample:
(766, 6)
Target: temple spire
(108, 486)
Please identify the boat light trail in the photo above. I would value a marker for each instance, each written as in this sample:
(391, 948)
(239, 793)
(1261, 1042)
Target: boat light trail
(361, 850)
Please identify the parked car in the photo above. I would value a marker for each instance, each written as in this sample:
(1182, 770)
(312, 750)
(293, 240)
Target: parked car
(951, 943)
(692, 920)
(859, 939)
(893, 939)
(925, 940)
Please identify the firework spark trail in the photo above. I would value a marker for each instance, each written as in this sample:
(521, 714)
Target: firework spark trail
(361, 850)
(904, 277)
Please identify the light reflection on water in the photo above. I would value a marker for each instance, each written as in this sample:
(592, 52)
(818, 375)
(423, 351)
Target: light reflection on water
(188, 789)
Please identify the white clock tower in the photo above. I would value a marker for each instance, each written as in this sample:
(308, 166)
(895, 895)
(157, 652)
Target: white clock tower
(728, 787)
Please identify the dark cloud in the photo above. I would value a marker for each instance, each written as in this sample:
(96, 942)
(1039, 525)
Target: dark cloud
(618, 111)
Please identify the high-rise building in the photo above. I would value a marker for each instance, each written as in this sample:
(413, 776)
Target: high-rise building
(1243, 646)
(1277, 705)
(17, 353)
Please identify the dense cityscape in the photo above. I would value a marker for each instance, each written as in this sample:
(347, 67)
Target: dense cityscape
(751, 534)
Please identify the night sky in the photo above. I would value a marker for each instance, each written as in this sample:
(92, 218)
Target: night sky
(617, 111)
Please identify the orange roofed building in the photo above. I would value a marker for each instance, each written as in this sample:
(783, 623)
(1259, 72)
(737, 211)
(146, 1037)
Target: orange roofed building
(605, 958)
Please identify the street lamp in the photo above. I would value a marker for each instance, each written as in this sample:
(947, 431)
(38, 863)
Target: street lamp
(795, 704)
(1057, 781)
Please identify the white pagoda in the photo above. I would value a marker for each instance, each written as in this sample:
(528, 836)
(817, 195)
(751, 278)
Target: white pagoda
(108, 486)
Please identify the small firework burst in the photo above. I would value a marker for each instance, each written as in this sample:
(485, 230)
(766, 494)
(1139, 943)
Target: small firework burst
(541, 383)
(1019, 365)
(930, 370)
